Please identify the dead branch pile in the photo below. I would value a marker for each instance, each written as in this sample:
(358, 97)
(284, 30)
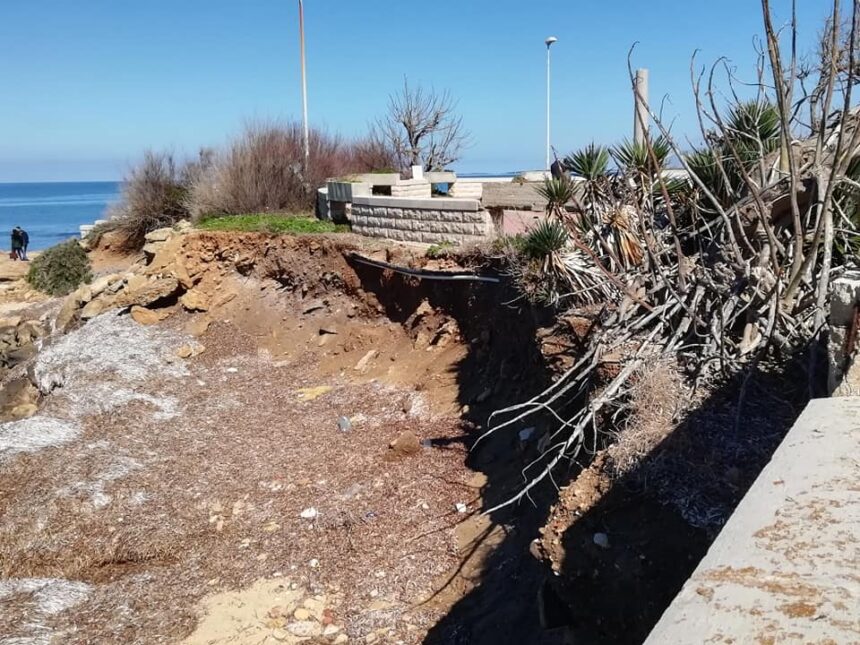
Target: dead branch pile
(725, 267)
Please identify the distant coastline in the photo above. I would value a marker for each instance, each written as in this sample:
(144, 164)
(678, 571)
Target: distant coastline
(53, 211)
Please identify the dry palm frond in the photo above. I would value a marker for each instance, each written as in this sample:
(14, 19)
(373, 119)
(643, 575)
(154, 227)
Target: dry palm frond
(618, 231)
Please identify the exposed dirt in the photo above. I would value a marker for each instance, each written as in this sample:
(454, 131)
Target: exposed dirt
(165, 483)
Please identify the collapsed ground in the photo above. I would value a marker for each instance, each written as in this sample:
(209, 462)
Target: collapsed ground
(281, 452)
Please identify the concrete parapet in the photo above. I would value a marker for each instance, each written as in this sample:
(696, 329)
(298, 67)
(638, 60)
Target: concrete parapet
(466, 189)
(434, 203)
(784, 569)
(513, 195)
(412, 188)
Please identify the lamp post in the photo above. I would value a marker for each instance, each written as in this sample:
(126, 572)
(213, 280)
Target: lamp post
(548, 42)
(304, 83)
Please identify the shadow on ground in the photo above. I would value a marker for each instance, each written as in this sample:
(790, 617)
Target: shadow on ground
(659, 518)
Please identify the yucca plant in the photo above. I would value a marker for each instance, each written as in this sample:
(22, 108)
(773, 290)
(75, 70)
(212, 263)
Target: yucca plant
(633, 157)
(555, 269)
(591, 165)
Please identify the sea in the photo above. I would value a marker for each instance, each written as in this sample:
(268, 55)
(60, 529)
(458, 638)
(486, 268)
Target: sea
(51, 212)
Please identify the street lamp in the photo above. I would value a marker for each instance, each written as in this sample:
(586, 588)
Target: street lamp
(548, 42)
(304, 84)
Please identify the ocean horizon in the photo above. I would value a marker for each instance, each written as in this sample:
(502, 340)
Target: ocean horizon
(52, 212)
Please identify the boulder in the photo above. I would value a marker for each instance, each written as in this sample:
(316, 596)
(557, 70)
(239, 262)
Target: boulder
(142, 291)
(195, 300)
(160, 234)
(145, 316)
(69, 311)
(198, 326)
(23, 411)
(98, 286)
(406, 444)
(30, 330)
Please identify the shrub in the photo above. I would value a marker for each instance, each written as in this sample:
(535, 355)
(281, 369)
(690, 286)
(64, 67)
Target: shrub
(154, 195)
(263, 171)
(60, 269)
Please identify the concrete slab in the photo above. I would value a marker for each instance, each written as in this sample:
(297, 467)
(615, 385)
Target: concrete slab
(432, 203)
(786, 567)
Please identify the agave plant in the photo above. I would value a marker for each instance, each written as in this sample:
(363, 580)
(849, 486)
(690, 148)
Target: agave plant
(633, 157)
(752, 132)
(591, 165)
(556, 269)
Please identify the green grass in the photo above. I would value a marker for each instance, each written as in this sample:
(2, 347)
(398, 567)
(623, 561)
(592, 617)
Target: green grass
(266, 223)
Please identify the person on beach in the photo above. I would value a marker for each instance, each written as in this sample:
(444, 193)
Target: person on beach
(25, 242)
(17, 243)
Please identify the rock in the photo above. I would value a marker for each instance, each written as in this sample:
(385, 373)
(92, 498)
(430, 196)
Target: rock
(525, 434)
(301, 614)
(315, 607)
(478, 480)
(188, 351)
(305, 628)
(145, 316)
(142, 291)
(330, 329)
(371, 638)
(313, 306)
(195, 300)
(314, 563)
(160, 235)
(23, 411)
(95, 307)
(309, 513)
(361, 366)
(182, 226)
(461, 507)
(30, 330)
(20, 355)
(341, 639)
(198, 326)
(12, 321)
(406, 444)
(69, 311)
(280, 635)
(344, 424)
(601, 540)
(99, 285)
(331, 630)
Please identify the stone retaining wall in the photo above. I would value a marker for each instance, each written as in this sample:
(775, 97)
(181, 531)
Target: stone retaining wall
(430, 221)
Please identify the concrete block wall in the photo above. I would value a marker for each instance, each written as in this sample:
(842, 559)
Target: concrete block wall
(421, 220)
(844, 300)
(415, 188)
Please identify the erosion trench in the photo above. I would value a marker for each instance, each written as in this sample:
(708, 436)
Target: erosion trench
(257, 439)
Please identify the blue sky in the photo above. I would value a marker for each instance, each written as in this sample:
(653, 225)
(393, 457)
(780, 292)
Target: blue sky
(88, 85)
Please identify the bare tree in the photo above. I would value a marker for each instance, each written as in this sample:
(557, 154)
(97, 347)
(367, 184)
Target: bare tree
(422, 128)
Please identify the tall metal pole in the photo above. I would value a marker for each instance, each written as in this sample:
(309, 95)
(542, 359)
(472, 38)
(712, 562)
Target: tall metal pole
(304, 84)
(549, 41)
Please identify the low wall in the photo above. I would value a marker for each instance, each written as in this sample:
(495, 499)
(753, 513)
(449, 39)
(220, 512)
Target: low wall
(412, 188)
(430, 221)
(784, 569)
